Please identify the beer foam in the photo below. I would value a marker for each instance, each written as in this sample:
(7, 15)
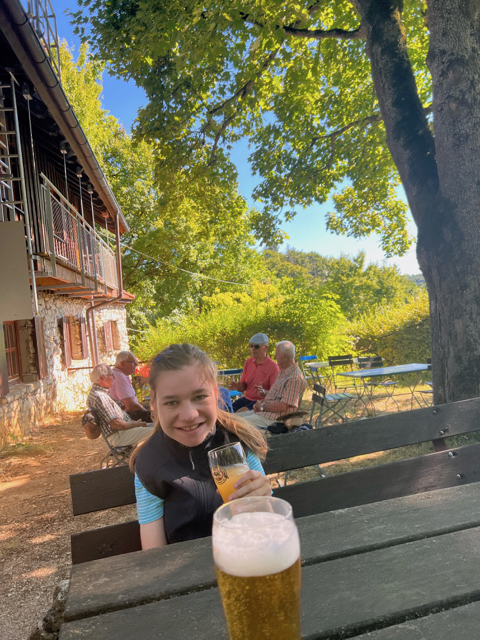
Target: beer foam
(255, 544)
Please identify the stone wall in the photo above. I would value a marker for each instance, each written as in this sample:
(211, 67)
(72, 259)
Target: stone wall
(30, 402)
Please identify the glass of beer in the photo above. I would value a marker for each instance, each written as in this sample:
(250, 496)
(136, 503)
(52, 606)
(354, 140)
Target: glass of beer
(227, 464)
(257, 560)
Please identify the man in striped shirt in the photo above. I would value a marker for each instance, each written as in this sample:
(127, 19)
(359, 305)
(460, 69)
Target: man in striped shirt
(286, 392)
(115, 423)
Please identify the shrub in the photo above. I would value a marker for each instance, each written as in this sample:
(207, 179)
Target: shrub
(400, 333)
(308, 318)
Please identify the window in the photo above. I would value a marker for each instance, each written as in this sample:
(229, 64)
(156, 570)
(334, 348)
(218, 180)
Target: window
(11, 350)
(74, 337)
(112, 336)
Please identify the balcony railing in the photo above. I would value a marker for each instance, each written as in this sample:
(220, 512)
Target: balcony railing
(44, 21)
(72, 242)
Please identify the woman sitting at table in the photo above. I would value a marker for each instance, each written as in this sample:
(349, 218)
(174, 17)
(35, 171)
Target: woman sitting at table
(176, 495)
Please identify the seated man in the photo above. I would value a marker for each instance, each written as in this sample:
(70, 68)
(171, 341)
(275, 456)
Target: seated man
(115, 423)
(285, 394)
(259, 373)
(122, 389)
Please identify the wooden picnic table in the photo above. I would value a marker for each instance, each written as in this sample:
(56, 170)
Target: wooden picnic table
(394, 570)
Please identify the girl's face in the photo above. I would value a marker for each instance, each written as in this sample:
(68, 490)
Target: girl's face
(186, 405)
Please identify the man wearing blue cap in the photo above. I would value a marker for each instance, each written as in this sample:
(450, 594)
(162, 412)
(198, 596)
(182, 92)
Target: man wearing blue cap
(259, 373)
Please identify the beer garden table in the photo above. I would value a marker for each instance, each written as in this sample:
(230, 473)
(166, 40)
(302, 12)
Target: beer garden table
(401, 569)
(398, 370)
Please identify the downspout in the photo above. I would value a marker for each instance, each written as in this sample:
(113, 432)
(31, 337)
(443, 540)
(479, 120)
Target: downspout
(91, 310)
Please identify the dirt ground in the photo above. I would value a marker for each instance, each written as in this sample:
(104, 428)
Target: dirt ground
(36, 519)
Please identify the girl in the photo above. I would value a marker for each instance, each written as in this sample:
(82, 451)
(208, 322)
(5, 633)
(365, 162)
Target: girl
(176, 495)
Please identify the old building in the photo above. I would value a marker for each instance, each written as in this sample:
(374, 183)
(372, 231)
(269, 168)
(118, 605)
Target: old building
(62, 304)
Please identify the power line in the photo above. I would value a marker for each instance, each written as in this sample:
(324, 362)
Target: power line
(192, 273)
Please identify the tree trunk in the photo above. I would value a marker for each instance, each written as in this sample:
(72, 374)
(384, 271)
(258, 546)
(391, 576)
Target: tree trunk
(442, 177)
(449, 242)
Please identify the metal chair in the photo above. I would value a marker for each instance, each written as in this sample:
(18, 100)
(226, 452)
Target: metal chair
(310, 377)
(376, 362)
(345, 362)
(116, 456)
(333, 403)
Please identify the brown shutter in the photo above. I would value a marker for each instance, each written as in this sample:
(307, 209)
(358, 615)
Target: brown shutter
(107, 328)
(83, 337)
(75, 338)
(116, 336)
(41, 352)
(4, 388)
(65, 333)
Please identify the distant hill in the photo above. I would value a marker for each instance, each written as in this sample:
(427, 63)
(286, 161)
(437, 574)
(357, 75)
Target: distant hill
(418, 279)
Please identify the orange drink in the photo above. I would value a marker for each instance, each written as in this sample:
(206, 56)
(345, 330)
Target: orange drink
(227, 464)
(226, 477)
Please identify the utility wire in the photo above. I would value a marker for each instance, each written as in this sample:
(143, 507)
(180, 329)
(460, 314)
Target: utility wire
(192, 273)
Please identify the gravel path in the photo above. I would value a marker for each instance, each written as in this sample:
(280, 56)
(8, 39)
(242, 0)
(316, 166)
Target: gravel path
(36, 519)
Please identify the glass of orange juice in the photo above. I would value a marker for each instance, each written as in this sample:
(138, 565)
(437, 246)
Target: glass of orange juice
(227, 464)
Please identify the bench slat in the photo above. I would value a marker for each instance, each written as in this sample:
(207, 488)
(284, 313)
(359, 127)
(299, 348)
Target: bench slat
(102, 489)
(106, 542)
(384, 482)
(339, 441)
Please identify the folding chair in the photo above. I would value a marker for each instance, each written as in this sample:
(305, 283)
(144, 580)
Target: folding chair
(376, 362)
(346, 362)
(117, 456)
(332, 403)
(310, 376)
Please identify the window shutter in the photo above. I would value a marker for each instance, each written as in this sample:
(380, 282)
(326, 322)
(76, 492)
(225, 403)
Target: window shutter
(41, 352)
(4, 387)
(107, 328)
(65, 333)
(116, 336)
(75, 338)
(83, 337)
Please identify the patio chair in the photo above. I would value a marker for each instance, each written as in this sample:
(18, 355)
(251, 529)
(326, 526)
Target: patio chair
(116, 456)
(427, 394)
(346, 363)
(330, 404)
(388, 386)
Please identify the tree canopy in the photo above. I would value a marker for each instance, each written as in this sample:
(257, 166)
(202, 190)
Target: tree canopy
(209, 234)
(344, 96)
(216, 71)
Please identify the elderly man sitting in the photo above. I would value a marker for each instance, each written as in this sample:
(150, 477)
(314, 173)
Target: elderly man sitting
(122, 389)
(285, 394)
(259, 373)
(115, 423)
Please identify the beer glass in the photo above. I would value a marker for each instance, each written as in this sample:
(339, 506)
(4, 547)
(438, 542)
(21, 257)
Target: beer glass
(257, 560)
(227, 464)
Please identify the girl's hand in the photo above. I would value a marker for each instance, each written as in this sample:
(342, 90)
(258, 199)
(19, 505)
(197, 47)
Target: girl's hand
(252, 483)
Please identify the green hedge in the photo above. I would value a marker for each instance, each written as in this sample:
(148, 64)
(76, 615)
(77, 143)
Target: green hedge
(400, 333)
(223, 328)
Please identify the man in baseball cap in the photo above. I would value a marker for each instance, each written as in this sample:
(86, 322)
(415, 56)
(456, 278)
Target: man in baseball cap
(259, 373)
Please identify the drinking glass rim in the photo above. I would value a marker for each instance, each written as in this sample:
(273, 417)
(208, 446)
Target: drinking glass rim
(225, 446)
(253, 499)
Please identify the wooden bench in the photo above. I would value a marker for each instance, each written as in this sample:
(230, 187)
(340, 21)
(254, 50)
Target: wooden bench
(107, 488)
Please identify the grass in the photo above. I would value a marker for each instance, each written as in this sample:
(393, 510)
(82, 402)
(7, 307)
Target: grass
(24, 449)
(403, 398)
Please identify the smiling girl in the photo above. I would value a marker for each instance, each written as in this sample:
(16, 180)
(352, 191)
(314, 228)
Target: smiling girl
(176, 495)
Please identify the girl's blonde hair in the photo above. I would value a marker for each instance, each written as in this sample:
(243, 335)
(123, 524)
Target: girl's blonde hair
(181, 356)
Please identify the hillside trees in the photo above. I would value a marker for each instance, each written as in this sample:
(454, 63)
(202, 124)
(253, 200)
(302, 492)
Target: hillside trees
(333, 96)
(200, 228)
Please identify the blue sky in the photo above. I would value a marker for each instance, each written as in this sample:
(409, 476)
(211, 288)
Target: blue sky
(307, 231)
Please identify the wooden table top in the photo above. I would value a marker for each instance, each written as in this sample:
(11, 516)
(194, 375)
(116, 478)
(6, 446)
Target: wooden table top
(402, 569)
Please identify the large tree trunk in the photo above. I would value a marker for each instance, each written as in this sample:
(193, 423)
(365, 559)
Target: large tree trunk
(449, 243)
(441, 178)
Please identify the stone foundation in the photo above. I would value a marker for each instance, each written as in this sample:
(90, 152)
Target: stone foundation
(28, 403)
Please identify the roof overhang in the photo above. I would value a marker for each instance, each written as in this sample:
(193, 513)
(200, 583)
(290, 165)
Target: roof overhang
(23, 40)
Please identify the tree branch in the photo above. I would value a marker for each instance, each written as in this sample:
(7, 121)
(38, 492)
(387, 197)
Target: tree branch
(139, 262)
(320, 34)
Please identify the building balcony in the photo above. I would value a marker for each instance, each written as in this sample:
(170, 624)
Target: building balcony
(74, 260)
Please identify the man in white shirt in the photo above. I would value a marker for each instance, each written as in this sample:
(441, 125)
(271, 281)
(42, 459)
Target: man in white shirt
(122, 389)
